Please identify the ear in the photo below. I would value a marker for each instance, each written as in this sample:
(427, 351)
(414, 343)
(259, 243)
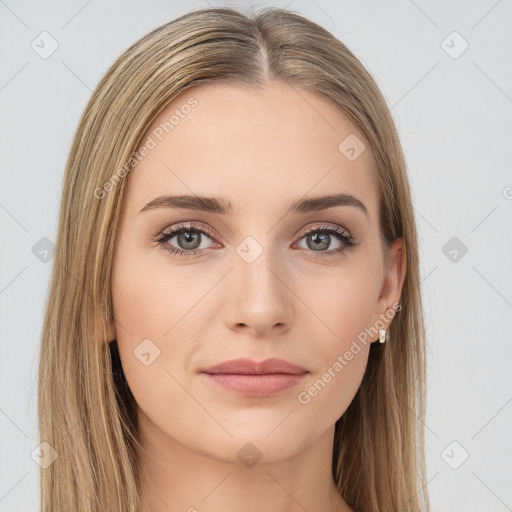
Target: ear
(391, 289)
(103, 318)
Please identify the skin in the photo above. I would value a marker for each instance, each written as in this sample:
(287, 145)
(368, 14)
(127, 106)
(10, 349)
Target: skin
(261, 149)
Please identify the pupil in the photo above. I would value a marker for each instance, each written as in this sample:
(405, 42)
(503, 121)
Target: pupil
(188, 238)
(321, 241)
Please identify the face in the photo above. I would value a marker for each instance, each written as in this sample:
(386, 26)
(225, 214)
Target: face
(248, 276)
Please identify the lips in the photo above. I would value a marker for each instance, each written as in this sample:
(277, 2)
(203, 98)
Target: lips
(250, 367)
(255, 379)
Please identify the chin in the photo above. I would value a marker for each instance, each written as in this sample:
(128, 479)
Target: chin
(263, 444)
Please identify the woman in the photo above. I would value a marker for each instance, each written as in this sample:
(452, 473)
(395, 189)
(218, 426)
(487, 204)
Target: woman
(234, 320)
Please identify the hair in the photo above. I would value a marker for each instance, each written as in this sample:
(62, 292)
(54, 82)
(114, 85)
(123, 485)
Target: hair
(86, 410)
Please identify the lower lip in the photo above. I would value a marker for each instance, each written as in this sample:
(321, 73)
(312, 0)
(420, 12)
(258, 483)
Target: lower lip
(255, 385)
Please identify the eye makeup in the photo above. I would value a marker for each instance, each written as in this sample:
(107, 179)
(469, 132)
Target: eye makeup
(198, 231)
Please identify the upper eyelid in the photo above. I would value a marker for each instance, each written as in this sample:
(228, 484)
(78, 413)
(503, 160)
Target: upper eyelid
(172, 230)
(327, 226)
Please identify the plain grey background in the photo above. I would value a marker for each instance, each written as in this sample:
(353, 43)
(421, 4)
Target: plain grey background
(444, 68)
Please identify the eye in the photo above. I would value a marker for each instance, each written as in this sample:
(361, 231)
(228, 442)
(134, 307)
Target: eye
(189, 239)
(320, 238)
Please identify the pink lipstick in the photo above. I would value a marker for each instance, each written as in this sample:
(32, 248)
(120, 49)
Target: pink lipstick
(255, 379)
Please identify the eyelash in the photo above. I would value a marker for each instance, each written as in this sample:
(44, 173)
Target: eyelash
(341, 234)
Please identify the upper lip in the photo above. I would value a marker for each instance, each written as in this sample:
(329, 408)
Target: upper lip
(250, 367)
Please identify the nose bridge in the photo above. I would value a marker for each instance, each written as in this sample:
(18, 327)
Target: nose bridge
(257, 271)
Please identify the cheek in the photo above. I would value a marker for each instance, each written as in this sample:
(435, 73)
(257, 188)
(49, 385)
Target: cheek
(345, 303)
(330, 390)
(136, 305)
(150, 307)
(346, 307)
(153, 300)
(159, 315)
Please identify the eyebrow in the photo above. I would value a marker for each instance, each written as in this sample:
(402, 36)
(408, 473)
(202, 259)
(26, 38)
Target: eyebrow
(223, 206)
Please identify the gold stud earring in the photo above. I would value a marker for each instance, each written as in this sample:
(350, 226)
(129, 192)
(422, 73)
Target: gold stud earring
(382, 335)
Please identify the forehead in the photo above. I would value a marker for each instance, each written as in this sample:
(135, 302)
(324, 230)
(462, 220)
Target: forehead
(254, 146)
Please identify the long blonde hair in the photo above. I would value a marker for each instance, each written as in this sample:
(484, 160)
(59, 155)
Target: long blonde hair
(87, 413)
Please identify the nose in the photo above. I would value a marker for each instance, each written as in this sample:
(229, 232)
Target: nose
(258, 296)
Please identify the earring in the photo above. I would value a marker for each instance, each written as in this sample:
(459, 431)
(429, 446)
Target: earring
(382, 335)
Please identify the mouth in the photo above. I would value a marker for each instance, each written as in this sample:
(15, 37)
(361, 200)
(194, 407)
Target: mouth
(252, 379)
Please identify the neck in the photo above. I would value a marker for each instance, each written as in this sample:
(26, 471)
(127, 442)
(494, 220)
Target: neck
(176, 478)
